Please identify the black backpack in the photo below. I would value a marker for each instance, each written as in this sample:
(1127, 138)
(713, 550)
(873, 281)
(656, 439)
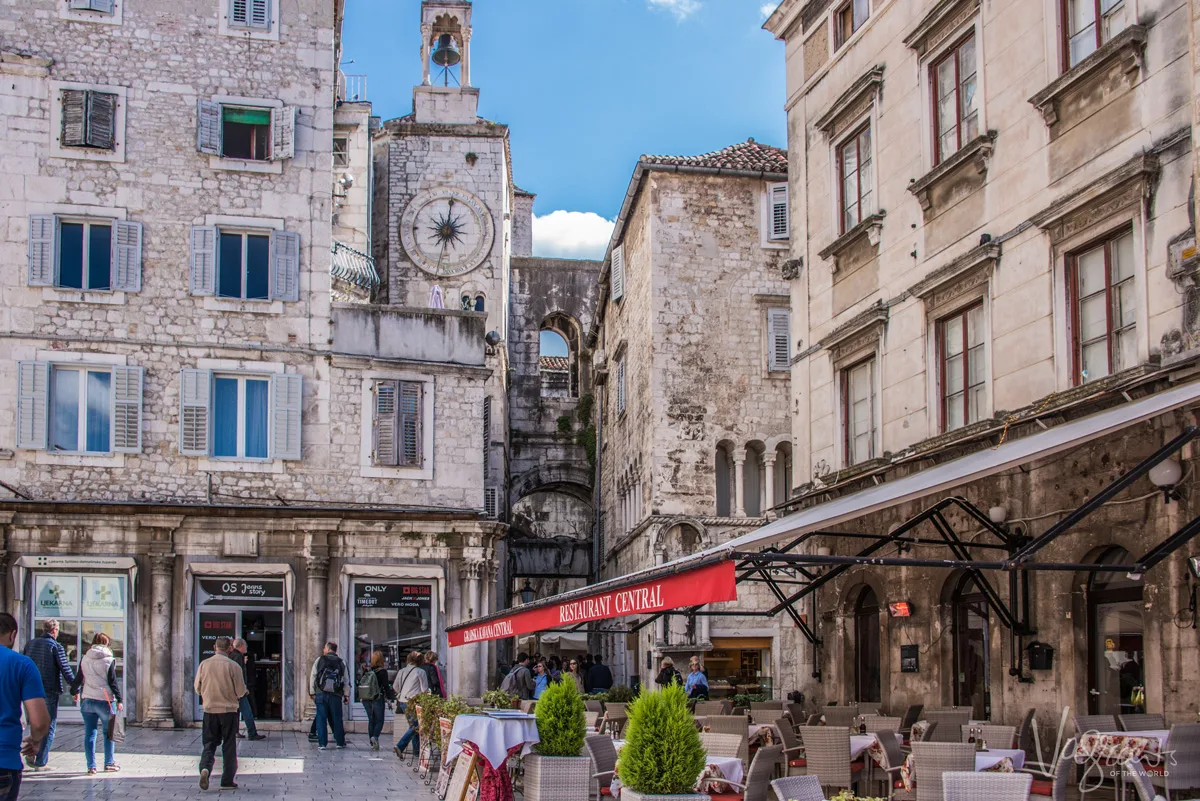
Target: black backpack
(331, 676)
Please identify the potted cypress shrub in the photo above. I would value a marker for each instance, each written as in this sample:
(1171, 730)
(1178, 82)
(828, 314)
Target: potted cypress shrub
(662, 757)
(557, 770)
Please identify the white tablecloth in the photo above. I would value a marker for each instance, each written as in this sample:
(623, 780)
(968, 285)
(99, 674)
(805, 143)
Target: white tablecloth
(730, 767)
(492, 736)
(992, 757)
(860, 743)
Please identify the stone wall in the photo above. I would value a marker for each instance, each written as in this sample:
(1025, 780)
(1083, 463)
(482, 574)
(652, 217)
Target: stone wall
(522, 224)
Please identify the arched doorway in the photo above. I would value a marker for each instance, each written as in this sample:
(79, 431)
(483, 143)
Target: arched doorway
(1116, 660)
(866, 646)
(972, 657)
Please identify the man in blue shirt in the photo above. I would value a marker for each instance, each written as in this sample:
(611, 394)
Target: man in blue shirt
(51, 660)
(20, 686)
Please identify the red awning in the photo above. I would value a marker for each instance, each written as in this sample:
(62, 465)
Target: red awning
(711, 583)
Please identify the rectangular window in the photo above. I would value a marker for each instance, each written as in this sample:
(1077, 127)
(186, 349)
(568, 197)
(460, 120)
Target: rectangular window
(858, 411)
(855, 179)
(80, 410)
(341, 151)
(621, 385)
(778, 226)
(779, 357)
(956, 116)
(245, 133)
(89, 119)
(240, 416)
(243, 266)
(101, 6)
(961, 356)
(848, 19)
(399, 424)
(85, 255)
(1103, 307)
(1091, 23)
(250, 14)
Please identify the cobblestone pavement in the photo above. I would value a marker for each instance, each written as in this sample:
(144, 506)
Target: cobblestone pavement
(158, 765)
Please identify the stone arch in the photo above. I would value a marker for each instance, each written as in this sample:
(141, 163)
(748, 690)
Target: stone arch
(560, 375)
(723, 492)
(843, 663)
(567, 477)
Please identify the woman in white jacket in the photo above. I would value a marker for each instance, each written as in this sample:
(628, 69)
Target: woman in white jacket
(100, 690)
(409, 682)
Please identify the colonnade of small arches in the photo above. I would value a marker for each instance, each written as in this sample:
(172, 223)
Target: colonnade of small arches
(752, 476)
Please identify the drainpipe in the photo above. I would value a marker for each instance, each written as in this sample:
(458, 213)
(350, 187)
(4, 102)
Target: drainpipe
(597, 494)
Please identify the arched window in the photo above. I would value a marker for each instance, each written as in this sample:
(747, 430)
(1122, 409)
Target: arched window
(783, 471)
(723, 474)
(752, 481)
(972, 630)
(479, 303)
(558, 361)
(1115, 630)
(866, 646)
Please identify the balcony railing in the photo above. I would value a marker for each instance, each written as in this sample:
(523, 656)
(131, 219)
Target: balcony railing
(351, 88)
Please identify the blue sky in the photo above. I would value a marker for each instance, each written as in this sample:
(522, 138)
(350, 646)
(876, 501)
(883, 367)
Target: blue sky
(586, 86)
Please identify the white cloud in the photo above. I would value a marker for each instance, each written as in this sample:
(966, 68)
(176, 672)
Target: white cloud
(767, 9)
(682, 9)
(571, 235)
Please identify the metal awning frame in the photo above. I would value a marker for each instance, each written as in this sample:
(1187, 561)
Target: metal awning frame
(763, 566)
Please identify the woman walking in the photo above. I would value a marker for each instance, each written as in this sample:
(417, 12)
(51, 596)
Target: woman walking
(409, 682)
(375, 695)
(541, 679)
(98, 679)
(576, 675)
(668, 675)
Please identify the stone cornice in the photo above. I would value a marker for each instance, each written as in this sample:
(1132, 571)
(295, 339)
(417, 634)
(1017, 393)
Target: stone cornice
(1127, 46)
(1132, 181)
(853, 101)
(975, 262)
(870, 227)
(875, 315)
(941, 21)
(977, 152)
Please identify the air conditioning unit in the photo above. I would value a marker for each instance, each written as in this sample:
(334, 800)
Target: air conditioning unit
(491, 503)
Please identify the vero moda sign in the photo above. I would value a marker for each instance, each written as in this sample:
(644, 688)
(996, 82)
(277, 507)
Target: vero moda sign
(704, 585)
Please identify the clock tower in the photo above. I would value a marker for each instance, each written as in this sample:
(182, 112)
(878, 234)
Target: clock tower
(443, 183)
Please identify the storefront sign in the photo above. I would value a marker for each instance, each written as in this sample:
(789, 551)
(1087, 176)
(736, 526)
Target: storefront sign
(392, 596)
(56, 596)
(77, 562)
(103, 597)
(214, 625)
(241, 591)
(910, 659)
(711, 584)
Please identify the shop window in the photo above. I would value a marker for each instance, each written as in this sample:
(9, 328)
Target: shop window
(866, 646)
(972, 660)
(739, 665)
(1103, 307)
(956, 114)
(1091, 23)
(393, 617)
(250, 608)
(1116, 628)
(963, 368)
(856, 181)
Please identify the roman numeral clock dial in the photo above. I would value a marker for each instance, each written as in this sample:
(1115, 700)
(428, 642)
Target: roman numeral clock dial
(446, 231)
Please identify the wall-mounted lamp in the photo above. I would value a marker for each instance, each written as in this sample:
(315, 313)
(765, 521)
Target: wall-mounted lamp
(900, 609)
(527, 593)
(998, 514)
(1165, 475)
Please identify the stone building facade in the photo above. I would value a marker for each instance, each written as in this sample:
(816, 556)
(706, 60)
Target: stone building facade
(196, 439)
(993, 233)
(693, 377)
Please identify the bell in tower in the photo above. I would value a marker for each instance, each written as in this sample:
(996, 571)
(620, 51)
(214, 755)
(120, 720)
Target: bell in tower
(446, 53)
(445, 94)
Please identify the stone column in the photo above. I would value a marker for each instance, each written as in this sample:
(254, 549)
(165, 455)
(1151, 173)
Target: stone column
(739, 482)
(464, 71)
(426, 34)
(470, 683)
(316, 569)
(660, 625)
(162, 573)
(769, 480)
(705, 629)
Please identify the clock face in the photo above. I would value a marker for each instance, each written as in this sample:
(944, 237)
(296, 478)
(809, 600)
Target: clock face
(446, 231)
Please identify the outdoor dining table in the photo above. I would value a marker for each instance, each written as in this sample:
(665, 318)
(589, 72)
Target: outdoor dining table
(1119, 746)
(921, 726)
(495, 739)
(716, 768)
(1000, 760)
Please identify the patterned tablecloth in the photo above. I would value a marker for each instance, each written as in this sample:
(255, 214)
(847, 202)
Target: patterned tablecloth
(763, 734)
(1112, 746)
(999, 760)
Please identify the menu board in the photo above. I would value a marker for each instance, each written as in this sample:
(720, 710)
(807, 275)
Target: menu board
(464, 775)
(214, 625)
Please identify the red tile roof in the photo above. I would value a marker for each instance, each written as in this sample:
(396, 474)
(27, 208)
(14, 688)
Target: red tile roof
(554, 363)
(748, 155)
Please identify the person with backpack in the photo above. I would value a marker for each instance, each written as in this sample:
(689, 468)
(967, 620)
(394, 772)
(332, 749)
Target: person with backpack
(410, 682)
(668, 675)
(331, 691)
(374, 690)
(519, 681)
(97, 683)
(433, 674)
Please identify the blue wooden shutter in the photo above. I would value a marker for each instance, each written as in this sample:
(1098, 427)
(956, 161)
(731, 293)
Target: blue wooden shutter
(127, 256)
(33, 404)
(287, 396)
(203, 260)
(127, 409)
(195, 414)
(42, 255)
(285, 265)
(208, 127)
(384, 450)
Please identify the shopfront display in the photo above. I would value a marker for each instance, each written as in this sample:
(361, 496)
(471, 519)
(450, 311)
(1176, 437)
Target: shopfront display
(251, 608)
(84, 604)
(739, 666)
(396, 617)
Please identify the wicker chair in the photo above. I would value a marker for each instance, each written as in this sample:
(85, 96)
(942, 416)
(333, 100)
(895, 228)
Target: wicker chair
(813, 720)
(926, 736)
(893, 760)
(1055, 788)
(840, 715)
(880, 723)
(995, 736)
(727, 745)
(827, 750)
(604, 763)
(729, 724)
(798, 788)
(793, 749)
(758, 778)
(1142, 722)
(931, 760)
(1180, 768)
(911, 716)
(528, 706)
(987, 786)
(796, 713)
(1102, 723)
(948, 722)
(615, 718)
(1135, 774)
(705, 708)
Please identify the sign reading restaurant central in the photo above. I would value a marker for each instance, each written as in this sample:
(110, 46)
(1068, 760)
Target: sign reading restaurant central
(710, 584)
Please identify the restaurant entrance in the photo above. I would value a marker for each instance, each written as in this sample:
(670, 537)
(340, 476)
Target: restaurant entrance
(739, 666)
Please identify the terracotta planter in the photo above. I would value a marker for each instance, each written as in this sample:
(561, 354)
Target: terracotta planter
(557, 778)
(631, 795)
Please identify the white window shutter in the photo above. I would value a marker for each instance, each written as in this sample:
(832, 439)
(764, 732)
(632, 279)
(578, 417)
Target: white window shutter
(285, 265)
(74, 118)
(259, 14)
(779, 338)
(195, 419)
(208, 127)
(127, 409)
(43, 242)
(283, 133)
(410, 426)
(101, 120)
(33, 404)
(127, 256)
(384, 449)
(287, 397)
(621, 385)
(202, 262)
(780, 224)
(617, 267)
(103, 6)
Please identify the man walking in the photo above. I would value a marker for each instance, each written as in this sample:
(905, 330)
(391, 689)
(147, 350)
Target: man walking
(220, 685)
(238, 655)
(51, 660)
(600, 675)
(20, 688)
(519, 681)
(330, 691)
